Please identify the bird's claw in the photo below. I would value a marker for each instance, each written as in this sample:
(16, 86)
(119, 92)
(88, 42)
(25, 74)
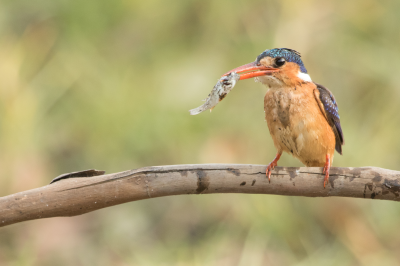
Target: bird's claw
(270, 167)
(326, 179)
(326, 170)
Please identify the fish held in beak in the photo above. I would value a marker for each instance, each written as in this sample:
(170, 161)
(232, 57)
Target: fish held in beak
(226, 83)
(218, 93)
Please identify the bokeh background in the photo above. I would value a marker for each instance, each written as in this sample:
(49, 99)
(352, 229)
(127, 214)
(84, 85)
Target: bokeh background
(108, 85)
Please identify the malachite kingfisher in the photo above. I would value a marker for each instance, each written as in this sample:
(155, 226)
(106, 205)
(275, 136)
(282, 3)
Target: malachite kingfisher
(302, 116)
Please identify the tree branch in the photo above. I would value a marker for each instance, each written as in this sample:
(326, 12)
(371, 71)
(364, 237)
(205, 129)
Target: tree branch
(78, 195)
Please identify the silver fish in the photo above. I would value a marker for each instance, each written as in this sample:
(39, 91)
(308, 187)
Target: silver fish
(220, 90)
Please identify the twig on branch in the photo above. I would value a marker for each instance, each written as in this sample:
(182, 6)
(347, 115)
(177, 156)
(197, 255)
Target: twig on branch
(79, 195)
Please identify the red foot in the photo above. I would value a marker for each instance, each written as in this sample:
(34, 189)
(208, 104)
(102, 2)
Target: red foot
(271, 166)
(326, 169)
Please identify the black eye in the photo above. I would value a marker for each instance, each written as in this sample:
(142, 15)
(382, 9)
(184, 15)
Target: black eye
(280, 61)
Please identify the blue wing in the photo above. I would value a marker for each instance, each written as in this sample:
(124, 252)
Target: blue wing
(332, 115)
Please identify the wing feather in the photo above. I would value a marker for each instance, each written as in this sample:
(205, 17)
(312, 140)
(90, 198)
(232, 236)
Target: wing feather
(329, 108)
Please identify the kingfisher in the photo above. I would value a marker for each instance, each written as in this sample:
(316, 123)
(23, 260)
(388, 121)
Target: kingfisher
(302, 116)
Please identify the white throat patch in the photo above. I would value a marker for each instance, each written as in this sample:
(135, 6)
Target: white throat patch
(304, 76)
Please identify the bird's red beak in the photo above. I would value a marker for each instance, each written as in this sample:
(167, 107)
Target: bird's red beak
(255, 70)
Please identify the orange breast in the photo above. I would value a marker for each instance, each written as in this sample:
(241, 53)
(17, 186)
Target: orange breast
(297, 125)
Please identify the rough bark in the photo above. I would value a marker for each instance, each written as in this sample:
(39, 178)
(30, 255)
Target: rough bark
(78, 195)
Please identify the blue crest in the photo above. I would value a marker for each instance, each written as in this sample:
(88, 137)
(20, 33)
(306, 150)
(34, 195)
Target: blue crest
(289, 54)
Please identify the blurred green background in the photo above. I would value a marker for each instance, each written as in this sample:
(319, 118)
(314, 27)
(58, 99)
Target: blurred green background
(108, 85)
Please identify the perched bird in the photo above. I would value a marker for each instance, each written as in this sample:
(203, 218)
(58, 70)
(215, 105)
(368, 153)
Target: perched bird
(302, 116)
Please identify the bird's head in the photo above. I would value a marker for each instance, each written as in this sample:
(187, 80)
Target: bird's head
(276, 68)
